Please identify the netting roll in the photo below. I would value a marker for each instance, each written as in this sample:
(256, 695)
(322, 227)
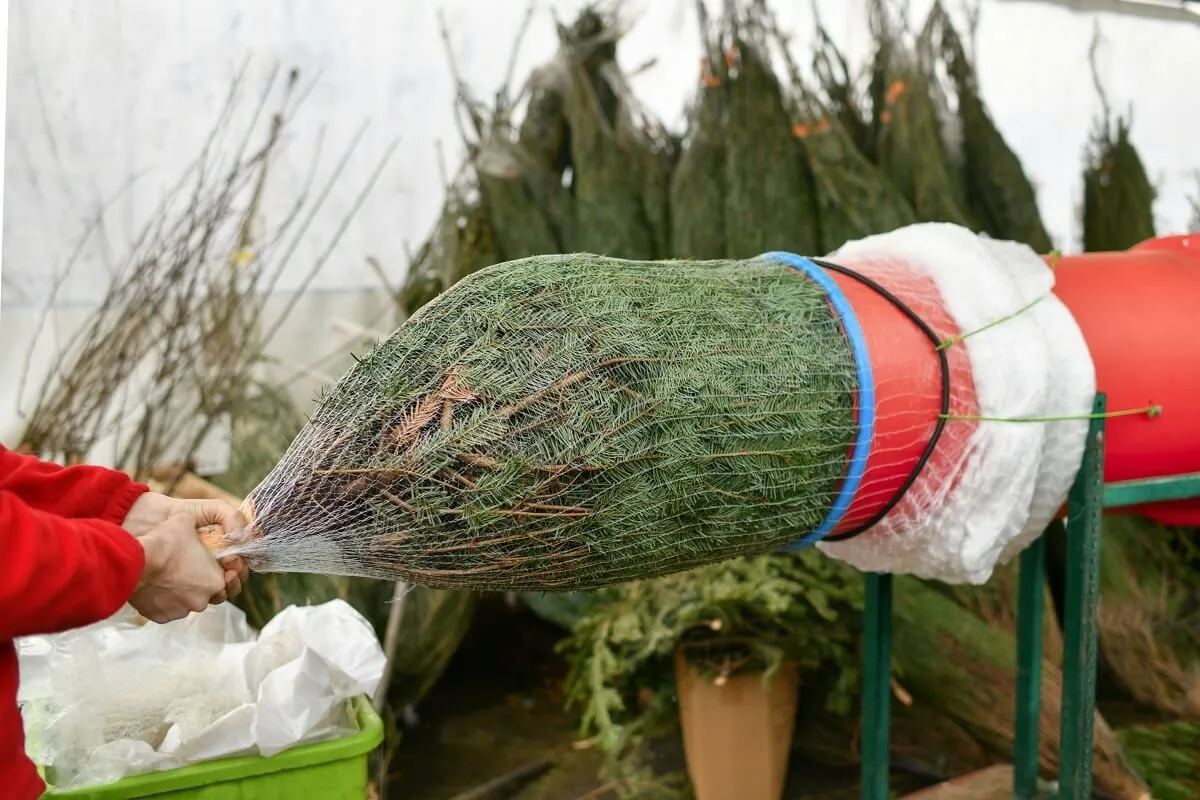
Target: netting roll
(569, 422)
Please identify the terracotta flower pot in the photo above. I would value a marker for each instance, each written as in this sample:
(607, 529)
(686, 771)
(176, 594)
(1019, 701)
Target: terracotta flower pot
(737, 736)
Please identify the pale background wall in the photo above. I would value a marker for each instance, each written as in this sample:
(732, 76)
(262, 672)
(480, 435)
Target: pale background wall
(100, 91)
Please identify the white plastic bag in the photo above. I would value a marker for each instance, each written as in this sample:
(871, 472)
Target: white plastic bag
(119, 698)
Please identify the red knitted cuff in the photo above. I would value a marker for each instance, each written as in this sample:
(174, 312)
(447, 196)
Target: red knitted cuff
(117, 507)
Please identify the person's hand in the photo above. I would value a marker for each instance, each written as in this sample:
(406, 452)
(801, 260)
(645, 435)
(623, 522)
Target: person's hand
(152, 509)
(180, 575)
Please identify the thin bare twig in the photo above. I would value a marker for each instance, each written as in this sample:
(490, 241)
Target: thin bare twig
(182, 311)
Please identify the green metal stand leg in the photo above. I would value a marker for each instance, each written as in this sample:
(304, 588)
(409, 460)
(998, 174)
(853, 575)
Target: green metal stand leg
(877, 687)
(1080, 634)
(1029, 672)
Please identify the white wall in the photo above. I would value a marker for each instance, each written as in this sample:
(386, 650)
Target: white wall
(103, 90)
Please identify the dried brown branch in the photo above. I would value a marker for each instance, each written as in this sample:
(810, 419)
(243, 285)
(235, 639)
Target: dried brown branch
(181, 315)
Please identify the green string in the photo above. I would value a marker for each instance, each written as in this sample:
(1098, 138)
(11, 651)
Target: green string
(1149, 411)
(950, 341)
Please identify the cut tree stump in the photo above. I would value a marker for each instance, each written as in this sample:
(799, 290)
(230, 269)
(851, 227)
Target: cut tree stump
(993, 783)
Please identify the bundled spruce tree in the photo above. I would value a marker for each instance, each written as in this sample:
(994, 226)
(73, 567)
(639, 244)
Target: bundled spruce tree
(528, 207)
(1149, 618)
(507, 199)
(998, 192)
(523, 167)
(1118, 198)
(463, 241)
(566, 422)
(620, 159)
(544, 133)
(956, 663)
(909, 124)
(698, 184)
(854, 198)
(923, 740)
(842, 97)
(770, 202)
(997, 603)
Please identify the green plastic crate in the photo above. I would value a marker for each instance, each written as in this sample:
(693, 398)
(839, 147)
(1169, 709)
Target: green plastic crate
(331, 770)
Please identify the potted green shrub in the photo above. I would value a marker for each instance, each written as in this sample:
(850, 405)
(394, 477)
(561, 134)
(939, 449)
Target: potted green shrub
(718, 653)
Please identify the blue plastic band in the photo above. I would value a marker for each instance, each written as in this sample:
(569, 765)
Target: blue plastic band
(866, 394)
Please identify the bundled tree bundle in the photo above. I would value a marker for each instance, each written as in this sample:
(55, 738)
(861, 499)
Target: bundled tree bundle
(515, 189)
(1149, 617)
(909, 141)
(567, 422)
(544, 133)
(842, 97)
(620, 159)
(569, 162)
(507, 199)
(770, 202)
(923, 740)
(854, 198)
(463, 241)
(697, 195)
(520, 169)
(998, 193)
(1118, 198)
(997, 603)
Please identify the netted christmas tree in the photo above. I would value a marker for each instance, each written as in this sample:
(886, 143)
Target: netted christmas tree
(1118, 198)
(432, 622)
(911, 121)
(697, 194)
(998, 192)
(770, 199)
(568, 422)
(854, 197)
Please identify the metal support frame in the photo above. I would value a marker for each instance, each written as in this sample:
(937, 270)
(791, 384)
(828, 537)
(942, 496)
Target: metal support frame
(1085, 507)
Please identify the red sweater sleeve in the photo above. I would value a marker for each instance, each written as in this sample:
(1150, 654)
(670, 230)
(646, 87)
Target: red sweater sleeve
(77, 492)
(61, 573)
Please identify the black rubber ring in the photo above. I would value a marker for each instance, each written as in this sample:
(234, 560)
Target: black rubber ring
(944, 363)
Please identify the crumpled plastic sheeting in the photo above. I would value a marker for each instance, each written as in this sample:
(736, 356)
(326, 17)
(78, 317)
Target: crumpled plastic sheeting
(119, 698)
